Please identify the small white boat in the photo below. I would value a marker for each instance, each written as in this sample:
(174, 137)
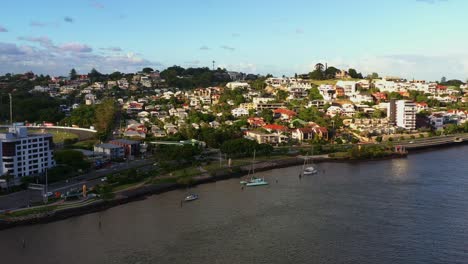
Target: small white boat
(310, 170)
(191, 197)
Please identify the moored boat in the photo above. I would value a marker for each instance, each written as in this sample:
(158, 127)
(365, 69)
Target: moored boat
(191, 197)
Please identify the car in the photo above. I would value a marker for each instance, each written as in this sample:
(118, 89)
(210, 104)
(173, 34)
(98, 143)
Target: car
(49, 194)
(104, 179)
(411, 142)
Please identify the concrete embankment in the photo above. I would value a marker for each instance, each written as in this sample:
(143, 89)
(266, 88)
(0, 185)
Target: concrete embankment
(147, 190)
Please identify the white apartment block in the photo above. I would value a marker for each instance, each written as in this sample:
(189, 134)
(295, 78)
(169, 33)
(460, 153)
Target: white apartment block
(348, 86)
(406, 114)
(23, 154)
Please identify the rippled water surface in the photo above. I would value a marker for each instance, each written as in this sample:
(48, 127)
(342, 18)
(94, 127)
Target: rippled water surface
(412, 210)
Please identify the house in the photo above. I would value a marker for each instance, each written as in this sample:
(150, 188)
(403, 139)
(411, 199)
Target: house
(256, 121)
(422, 106)
(131, 147)
(284, 114)
(111, 151)
(235, 85)
(157, 132)
(266, 138)
(378, 96)
(123, 83)
(349, 87)
(303, 134)
(238, 112)
(275, 128)
(342, 74)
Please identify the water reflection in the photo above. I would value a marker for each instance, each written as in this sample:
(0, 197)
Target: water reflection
(410, 210)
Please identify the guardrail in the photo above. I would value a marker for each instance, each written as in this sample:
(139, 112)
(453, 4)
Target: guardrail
(58, 127)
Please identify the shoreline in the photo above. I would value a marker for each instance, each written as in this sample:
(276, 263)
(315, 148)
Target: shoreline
(145, 191)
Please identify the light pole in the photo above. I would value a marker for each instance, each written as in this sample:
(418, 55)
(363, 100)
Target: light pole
(11, 109)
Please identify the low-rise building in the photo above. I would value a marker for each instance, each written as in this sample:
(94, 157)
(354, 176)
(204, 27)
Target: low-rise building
(131, 147)
(111, 151)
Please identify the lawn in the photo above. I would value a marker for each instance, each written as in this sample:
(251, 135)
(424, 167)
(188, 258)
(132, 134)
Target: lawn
(59, 136)
(25, 212)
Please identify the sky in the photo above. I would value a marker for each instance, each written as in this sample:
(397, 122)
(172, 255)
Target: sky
(421, 39)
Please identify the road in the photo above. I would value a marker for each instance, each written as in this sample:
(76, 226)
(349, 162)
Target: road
(24, 198)
(432, 141)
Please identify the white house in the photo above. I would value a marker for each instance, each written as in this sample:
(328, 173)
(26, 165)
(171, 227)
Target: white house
(238, 112)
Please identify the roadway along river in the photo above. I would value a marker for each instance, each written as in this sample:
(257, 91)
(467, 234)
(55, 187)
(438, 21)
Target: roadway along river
(412, 210)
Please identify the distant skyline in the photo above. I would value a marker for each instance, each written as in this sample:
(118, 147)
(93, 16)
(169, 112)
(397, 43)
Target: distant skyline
(422, 39)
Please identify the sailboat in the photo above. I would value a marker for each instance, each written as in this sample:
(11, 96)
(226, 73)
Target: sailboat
(309, 170)
(254, 181)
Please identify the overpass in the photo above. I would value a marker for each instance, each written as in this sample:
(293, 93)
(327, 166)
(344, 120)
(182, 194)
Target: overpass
(421, 143)
(82, 133)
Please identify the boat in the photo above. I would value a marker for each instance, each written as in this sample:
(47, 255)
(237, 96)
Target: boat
(308, 170)
(253, 181)
(191, 197)
(256, 182)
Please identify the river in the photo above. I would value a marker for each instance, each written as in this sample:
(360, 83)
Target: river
(412, 210)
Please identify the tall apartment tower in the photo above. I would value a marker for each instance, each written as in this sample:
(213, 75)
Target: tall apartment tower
(406, 114)
(391, 112)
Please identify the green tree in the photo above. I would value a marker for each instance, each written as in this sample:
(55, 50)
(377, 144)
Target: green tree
(267, 115)
(314, 94)
(147, 70)
(281, 95)
(354, 74)
(316, 75)
(73, 74)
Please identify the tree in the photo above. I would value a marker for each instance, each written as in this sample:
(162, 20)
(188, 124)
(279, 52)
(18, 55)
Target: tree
(267, 115)
(319, 67)
(374, 75)
(331, 72)
(116, 76)
(281, 95)
(316, 75)
(443, 79)
(314, 94)
(94, 75)
(354, 74)
(378, 113)
(72, 158)
(73, 74)
(147, 70)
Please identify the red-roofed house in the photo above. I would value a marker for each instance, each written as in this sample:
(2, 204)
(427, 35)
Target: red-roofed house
(275, 128)
(379, 96)
(284, 114)
(256, 121)
(422, 106)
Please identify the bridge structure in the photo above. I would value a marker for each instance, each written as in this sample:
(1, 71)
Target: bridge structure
(82, 133)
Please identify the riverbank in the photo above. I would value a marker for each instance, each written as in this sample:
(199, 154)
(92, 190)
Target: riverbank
(144, 191)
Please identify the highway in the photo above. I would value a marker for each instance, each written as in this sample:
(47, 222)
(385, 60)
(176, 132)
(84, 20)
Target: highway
(433, 141)
(24, 198)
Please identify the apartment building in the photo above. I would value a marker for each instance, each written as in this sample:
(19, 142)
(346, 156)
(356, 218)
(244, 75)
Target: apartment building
(404, 113)
(23, 154)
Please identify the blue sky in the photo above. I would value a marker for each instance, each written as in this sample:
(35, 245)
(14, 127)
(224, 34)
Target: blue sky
(409, 38)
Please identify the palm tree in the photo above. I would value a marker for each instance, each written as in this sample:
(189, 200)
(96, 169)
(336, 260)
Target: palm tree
(319, 67)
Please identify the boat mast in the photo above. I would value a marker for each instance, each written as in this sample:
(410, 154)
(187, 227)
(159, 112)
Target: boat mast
(253, 162)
